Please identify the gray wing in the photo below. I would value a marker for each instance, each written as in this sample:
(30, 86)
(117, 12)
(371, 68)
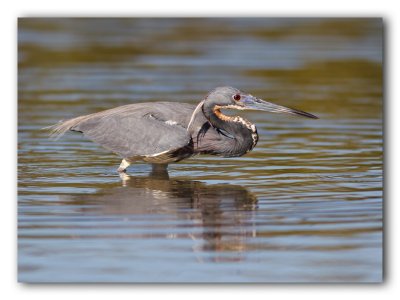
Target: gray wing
(140, 129)
(133, 135)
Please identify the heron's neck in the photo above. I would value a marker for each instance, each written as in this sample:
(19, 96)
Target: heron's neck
(243, 134)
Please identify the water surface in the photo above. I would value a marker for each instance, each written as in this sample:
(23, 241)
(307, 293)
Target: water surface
(304, 206)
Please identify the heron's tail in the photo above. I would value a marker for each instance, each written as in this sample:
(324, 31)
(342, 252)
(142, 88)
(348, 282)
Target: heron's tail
(58, 130)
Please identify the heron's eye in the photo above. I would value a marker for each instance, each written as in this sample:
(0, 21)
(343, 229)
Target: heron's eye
(236, 97)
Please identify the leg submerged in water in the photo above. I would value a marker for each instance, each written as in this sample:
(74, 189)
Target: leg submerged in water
(159, 167)
(159, 170)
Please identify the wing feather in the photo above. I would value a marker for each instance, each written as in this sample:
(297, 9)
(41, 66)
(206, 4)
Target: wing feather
(130, 132)
(131, 137)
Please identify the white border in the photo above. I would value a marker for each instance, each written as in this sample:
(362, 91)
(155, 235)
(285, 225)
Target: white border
(11, 10)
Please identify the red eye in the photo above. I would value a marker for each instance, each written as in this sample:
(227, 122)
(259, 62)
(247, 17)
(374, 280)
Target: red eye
(236, 97)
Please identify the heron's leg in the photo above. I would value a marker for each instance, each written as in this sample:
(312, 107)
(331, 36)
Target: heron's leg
(159, 170)
(159, 167)
(124, 164)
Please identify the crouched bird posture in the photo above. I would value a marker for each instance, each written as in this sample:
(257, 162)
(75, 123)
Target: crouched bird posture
(165, 132)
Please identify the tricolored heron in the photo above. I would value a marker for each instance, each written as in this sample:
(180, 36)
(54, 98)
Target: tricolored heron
(165, 132)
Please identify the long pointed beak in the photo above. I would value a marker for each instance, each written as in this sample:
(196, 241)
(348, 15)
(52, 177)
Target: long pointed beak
(254, 103)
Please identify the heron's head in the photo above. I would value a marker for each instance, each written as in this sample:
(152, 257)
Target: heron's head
(230, 98)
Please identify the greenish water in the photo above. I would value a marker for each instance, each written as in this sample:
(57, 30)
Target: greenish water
(304, 206)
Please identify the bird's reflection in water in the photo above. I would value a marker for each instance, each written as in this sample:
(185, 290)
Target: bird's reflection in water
(223, 212)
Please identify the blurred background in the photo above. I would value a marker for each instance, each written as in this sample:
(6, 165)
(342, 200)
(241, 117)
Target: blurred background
(304, 206)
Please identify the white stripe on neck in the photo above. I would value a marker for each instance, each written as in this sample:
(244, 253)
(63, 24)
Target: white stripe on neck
(194, 113)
